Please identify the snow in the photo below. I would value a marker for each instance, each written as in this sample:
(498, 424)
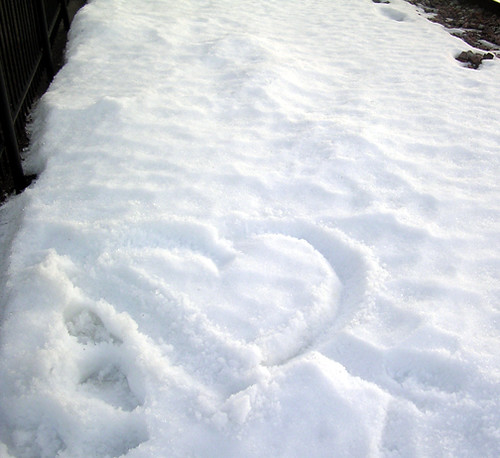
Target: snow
(260, 228)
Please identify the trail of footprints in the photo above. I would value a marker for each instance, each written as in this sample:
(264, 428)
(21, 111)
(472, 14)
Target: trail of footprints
(102, 374)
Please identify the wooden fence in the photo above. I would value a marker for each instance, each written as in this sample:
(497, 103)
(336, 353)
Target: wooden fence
(27, 33)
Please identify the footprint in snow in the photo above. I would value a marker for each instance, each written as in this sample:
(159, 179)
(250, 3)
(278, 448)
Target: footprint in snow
(111, 385)
(88, 328)
(104, 382)
(394, 14)
(103, 378)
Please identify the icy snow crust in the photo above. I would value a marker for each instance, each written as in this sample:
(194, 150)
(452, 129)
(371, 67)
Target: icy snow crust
(261, 228)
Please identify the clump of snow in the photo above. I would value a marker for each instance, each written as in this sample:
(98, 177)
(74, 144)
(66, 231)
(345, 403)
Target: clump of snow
(259, 229)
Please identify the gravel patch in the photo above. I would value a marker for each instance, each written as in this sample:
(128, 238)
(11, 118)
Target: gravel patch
(476, 22)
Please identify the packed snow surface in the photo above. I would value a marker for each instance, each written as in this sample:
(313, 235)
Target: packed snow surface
(261, 228)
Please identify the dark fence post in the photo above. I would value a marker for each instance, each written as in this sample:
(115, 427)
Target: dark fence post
(44, 31)
(10, 139)
(27, 30)
(65, 14)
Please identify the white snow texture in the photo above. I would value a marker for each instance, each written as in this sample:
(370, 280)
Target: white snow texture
(261, 228)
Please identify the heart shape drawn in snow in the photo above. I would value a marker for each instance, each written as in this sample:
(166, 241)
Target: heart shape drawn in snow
(272, 286)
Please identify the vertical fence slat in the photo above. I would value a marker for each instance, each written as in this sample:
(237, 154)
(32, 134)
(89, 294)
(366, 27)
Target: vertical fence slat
(65, 14)
(23, 60)
(9, 137)
(11, 64)
(45, 38)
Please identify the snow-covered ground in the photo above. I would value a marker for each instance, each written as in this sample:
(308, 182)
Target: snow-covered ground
(261, 228)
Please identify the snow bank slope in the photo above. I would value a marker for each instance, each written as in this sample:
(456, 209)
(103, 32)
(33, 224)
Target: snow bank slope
(262, 228)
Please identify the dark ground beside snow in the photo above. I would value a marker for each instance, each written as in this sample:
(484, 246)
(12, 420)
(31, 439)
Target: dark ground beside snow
(477, 25)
